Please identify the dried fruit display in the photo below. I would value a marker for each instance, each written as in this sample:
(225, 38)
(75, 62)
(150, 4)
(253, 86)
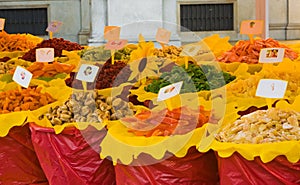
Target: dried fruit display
(27, 99)
(109, 75)
(5, 67)
(169, 52)
(17, 42)
(88, 107)
(247, 87)
(101, 54)
(263, 126)
(41, 69)
(59, 44)
(195, 78)
(165, 122)
(247, 52)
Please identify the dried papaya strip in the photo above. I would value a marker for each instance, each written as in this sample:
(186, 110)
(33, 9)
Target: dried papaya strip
(48, 67)
(68, 68)
(58, 67)
(38, 73)
(35, 66)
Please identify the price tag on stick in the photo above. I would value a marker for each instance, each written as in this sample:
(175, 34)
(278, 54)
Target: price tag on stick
(271, 55)
(270, 88)
(169, 93)
(2, 23)
(191, 50)
(87, 73)
(53, 27)
(114, 45)
(163, 36)
(112, 33)
(252, 27)
(44, 54)
(22, 76)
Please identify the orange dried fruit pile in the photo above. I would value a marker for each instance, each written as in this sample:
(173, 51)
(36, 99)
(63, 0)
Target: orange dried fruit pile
(23, 100)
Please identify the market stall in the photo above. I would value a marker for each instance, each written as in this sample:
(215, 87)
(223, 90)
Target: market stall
(126, 113)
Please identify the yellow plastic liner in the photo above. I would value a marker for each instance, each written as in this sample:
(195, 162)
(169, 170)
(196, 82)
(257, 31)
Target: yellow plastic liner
(9, 120)
(123, 146)
(266, 151)
(34, 115)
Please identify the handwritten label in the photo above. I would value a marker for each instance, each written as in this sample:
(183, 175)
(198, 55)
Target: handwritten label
(169, 91)
(54, 26)
(116, 44)
(22, 76)
(271, 55)
(163, 36)
(2, 23)
(112, 33)
(252, 27)
(270, 88)
(191, 50)
(87, 73)
(44, 54)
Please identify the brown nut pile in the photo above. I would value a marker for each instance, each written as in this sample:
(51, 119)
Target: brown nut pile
(5, 67)
(170, 52)
(89, 107)
(263, 126)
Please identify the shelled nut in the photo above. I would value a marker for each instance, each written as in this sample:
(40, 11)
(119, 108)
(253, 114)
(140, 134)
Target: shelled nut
(88, 107)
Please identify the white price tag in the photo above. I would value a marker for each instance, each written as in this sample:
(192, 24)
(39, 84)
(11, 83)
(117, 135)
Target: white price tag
(271, 55)
(87, 73)
(270, 88)
(44, 54)
(169, 91)
(22, 77)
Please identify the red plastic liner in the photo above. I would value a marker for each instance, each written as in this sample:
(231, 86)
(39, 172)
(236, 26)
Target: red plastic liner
(72, 157)
(19, 163)
(193, 169)
(236, 170)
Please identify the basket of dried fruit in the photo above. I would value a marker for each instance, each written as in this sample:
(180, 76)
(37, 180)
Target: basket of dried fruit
(15, 45)
(61, 47)
(79, 123)
(247, 52)
(22, 165)
(158, 146)
(260, 147)
(204, 81)
(244, 88)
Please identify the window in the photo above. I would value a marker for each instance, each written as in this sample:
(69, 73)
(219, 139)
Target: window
(29, 20)
(207, 17)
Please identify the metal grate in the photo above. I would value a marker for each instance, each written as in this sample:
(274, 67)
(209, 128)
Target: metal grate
(206, 17)
(29, 20)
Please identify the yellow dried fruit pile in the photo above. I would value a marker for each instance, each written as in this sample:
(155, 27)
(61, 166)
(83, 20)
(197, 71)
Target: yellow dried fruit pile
(169, 52)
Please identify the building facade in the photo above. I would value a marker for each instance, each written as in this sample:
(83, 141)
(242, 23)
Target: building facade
(188, 20)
